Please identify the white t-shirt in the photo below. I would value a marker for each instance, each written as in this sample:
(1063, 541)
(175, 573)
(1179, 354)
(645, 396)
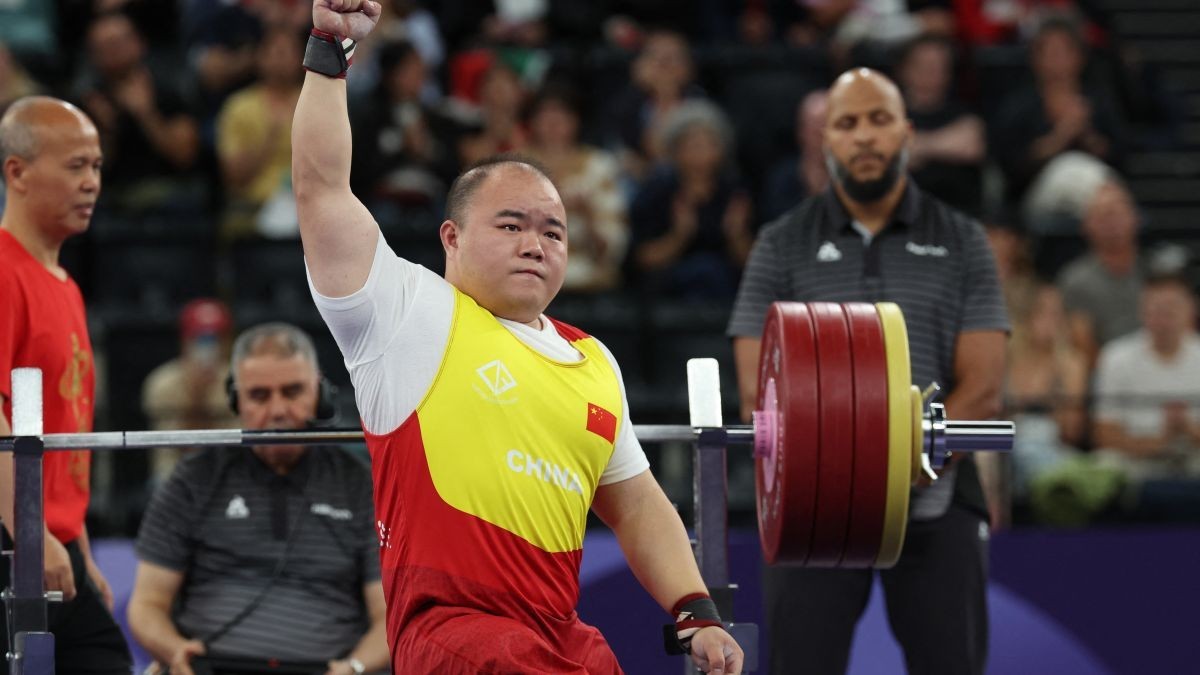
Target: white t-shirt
(1129, 368)
(393, 333)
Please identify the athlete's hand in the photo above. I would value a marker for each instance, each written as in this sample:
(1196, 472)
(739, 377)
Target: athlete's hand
(59, 576)
(354, 19)
(715, 651)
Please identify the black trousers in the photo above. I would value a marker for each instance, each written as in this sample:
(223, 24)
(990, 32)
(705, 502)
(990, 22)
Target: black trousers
(87, 639)
(936, 598)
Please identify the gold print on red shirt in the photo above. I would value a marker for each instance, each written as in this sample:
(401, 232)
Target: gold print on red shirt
(70, 386)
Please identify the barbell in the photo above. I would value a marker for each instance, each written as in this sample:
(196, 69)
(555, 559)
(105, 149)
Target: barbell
(839, 433)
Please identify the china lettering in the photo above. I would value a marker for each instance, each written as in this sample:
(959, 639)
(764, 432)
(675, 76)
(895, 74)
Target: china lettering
(550, 472)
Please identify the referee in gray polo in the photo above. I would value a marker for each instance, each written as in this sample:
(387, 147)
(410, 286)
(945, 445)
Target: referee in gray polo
(875, 236)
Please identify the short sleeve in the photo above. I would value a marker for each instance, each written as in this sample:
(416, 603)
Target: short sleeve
(628, 458)
(1110, 385)
(764, 281)
(165, 536)
(11, 320)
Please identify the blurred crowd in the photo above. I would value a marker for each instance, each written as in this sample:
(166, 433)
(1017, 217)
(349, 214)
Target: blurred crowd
(674, 130)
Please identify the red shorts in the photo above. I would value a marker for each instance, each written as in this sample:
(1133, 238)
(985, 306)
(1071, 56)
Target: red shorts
(453, 641)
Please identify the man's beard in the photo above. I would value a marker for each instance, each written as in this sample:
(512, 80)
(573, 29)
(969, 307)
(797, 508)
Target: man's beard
(869, 191)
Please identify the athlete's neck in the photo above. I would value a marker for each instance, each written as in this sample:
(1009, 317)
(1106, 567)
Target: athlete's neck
(41, 245)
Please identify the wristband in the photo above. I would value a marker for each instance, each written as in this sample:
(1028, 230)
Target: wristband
(356, 665)
(691, 613)
(328, 54)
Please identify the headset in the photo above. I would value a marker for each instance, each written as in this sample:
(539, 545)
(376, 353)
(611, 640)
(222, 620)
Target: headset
(327, 393)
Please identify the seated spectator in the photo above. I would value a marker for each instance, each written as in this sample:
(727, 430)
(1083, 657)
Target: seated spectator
(1061, 111)
(401, 22)
(588, 181)
(403, 148)
(661, 79)
(254, 142)
(501, 99)
(1013, 265)
(804, 174)
(1147, 417)
(691, 221)
(950, 144)
(1046, 385)
(188, 392)
(147, 130)
(265, 553)
(1100, 289)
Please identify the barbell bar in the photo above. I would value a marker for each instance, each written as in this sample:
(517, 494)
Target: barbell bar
(839, 434)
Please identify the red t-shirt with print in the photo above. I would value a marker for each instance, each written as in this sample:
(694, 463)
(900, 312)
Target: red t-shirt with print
(42, 325)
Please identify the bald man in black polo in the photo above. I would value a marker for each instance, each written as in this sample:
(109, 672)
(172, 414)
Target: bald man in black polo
(875, 236)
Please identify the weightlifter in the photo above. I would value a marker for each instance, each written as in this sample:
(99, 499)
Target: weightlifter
(492, 428)
(872, 236)
(51, 158)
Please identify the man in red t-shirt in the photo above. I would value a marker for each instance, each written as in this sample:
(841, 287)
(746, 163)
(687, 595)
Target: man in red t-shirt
(50, 155)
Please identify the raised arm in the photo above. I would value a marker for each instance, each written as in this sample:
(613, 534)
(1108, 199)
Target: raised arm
(338, 232)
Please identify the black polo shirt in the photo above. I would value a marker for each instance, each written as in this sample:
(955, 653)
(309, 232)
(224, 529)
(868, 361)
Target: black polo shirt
(932, 261)
(232, 526)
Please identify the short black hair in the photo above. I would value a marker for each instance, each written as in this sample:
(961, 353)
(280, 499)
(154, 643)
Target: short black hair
(926, 39)
(1167, 280)
(458, 199)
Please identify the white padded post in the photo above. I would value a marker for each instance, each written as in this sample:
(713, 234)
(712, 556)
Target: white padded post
(27, 401)
(704, 392)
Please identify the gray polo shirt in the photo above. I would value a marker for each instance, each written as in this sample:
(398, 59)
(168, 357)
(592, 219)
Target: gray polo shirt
(931, 260)
(231, 525)
(1111, 303)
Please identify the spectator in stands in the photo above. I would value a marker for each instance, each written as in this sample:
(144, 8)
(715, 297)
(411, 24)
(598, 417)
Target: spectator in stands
(949, 143)
(1147, 417)
(404, 151)
(1100, 289)
(254, 141)
(401, 22)
(804, 174)
(188, 392)
(692, 220)
(502, 97)
(1046, 384)
(588, 180)
(661, 79)
(1061, 111)
(809, 23)
(266, 553)
(222, 41)
(150, 137)
(1013, 264)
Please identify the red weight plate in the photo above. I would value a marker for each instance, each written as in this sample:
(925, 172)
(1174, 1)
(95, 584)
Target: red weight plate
(786, 474)
(868, 499)
(835, 473)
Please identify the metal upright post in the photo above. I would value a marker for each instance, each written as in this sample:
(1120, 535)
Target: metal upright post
(30, 645)
(711, 502)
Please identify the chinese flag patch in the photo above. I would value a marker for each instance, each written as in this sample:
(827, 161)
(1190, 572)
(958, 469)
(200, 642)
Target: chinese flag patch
(602, 423)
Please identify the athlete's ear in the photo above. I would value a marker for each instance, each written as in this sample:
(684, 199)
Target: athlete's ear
(449, 233)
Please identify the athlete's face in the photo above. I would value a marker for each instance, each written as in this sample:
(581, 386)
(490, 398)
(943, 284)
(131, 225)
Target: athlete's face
(276, 392)
(511, 254)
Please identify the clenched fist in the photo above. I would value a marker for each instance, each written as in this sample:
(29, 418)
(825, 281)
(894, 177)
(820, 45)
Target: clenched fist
(354, 19)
